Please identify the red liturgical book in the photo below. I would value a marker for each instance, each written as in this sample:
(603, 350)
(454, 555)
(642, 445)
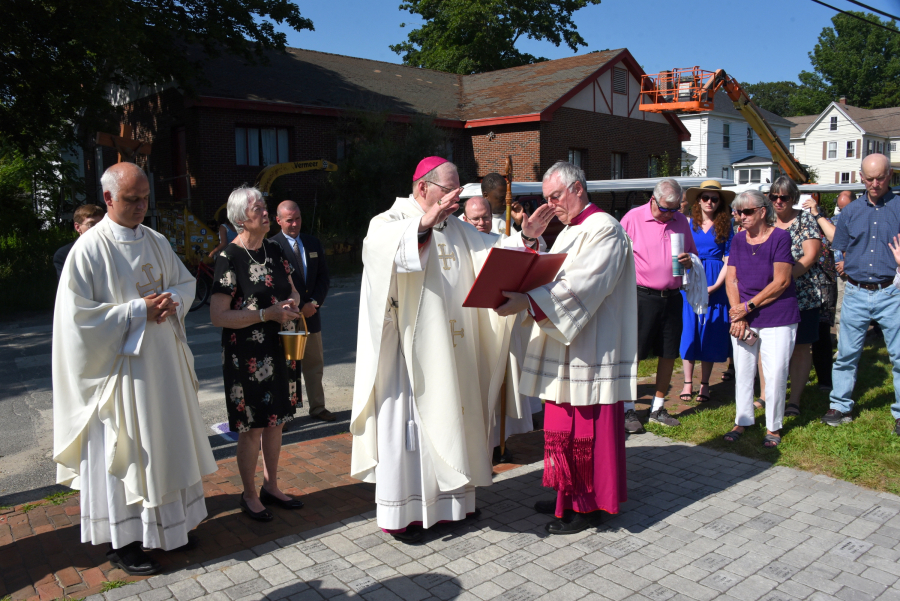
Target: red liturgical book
(511, 270)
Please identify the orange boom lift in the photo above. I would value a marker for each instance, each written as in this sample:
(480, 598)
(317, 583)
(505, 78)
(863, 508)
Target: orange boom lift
(693, 90)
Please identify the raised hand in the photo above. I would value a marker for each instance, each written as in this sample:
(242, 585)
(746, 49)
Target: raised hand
(895, 248)
(535, 225)
(438, 213)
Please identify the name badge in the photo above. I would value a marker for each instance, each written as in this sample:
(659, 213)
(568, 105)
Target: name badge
(313, 255)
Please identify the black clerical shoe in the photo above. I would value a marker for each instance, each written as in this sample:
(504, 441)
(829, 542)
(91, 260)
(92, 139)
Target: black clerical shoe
(193, 543)
(411, 536)
(573, 523)
(505, 457)
(260, 516)
(270, 499)
(132, 560)
(476, 515)
(548, 507)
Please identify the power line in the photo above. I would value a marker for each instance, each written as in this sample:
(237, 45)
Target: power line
(857, 17)
(874, 10)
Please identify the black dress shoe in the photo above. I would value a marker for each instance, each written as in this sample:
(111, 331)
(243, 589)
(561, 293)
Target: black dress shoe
(548, 507)
(193, 543)
(497, 457)
(325, 415)
(574, 523)
(475, 515)
(270, 499)
(411, 536)
(260, 516)
(132, 560)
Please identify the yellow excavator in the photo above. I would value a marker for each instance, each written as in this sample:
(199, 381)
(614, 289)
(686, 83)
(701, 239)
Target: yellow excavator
(693, 90)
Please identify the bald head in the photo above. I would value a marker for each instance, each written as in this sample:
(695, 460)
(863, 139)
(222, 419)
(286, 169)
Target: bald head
(478, 213)
(844, 198)
(288, 217)
(876, 175)
(126, 192)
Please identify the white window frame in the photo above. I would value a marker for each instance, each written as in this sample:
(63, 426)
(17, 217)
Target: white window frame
(792, 149)
(845, 177)
(576, 157)
(832, 150)
(833, 125)
(851, 149)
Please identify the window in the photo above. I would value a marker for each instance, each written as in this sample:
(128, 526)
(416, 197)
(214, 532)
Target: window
(617, 170)
(575, 157)
(832, 150)
(749, 138)
(726, 135)
(620, 81)
(880, 147)
(851, 149)
(792, 149)
(260, 146)
(845, 177)
(833, 124)
(343, 148)
(893, 147)
(870, 147)
(725, 173)
(749, 176)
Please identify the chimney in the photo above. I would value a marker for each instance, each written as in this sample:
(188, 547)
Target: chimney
(843, 100)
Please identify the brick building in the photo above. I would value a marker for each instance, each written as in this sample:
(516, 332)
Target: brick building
(583, 108)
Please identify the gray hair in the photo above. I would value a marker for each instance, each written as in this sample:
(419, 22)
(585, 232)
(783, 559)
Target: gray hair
(786, 185)
(668, 191)
(751, 199)
(111, 180)
(238, 202)
(568, 174)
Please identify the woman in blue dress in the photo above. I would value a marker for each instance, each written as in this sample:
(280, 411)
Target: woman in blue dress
(706, 338)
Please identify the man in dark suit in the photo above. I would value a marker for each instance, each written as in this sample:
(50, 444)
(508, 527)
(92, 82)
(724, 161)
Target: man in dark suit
(85, 217)
(310, 276)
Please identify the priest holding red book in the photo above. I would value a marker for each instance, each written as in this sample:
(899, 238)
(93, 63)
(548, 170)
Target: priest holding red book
(582, 355)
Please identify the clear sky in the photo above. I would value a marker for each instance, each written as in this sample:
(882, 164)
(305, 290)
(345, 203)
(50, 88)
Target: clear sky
(763, 40)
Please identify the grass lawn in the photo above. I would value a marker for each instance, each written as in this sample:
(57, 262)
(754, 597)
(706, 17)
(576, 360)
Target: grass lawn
(864, 452)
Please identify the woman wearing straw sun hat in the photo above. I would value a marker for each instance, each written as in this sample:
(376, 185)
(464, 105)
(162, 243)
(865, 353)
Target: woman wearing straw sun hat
(706, 339)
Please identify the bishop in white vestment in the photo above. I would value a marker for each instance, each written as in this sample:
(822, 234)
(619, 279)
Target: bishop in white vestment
(127, 427)
(582, 356)
(426, 366)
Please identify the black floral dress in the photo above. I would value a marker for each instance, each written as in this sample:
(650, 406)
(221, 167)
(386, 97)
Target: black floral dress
(260, 385)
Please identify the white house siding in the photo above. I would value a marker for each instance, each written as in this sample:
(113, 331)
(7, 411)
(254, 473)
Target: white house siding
(706, 143)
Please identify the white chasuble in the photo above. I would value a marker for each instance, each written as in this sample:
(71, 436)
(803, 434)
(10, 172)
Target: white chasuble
(585, 351)
(127, 426)
(424, 358)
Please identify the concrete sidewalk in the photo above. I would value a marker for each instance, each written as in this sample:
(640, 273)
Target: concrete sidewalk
(699, 525)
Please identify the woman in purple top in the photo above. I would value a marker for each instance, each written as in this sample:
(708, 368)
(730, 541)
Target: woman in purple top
(764, 312)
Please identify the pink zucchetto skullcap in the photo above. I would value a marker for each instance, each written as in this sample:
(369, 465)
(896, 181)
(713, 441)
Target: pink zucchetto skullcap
(427, 164)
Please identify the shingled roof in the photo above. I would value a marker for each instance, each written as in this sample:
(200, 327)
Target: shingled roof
(879, 122)
(800, 124)
(319, 80)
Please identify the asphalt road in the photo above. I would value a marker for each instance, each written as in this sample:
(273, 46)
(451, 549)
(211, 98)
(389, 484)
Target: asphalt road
(27, 471)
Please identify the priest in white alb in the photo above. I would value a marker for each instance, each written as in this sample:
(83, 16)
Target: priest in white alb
(478, 213)
(582, 356)
(127, 430)
(426, 366)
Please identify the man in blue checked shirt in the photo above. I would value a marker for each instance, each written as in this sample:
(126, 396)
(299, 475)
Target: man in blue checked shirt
(866, 227)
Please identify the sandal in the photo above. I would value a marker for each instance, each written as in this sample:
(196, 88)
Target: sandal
(771, 441)
(733, 436)
(728, 374)
(702, 398)
(684, 396)
(792, 409)
(760, 404)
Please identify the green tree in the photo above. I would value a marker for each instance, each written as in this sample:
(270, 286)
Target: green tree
(773, 96)
(852, 59)
(475, 36)
(59, 59)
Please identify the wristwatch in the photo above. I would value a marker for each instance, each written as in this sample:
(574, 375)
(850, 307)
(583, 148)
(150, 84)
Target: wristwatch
(819, 216)
(751, 306)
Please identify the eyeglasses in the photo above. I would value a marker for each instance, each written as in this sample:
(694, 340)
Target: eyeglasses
(748, 212)
(781, 197)
(444, 188)
(709, 198)
(664, 210)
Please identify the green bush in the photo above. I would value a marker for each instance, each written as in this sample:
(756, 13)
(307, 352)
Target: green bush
(27, 276)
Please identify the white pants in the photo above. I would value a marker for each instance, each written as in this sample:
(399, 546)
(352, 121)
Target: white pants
(774, 349)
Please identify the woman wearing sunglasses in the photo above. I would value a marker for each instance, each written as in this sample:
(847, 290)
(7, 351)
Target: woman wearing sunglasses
(764, 312)
(806, 246)
(706, 338)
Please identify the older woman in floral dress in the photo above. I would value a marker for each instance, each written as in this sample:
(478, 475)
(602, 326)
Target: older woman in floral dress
(253, 297)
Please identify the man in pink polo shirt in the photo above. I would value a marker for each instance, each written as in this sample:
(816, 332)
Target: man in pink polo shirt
(659, 303)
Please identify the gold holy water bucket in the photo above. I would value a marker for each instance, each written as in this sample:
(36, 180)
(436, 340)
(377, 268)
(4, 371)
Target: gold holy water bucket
(294, 343)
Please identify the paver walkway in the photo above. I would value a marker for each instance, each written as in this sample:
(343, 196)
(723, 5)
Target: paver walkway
(699, 525)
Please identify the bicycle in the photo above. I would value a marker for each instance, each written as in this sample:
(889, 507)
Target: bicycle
(204, 274)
